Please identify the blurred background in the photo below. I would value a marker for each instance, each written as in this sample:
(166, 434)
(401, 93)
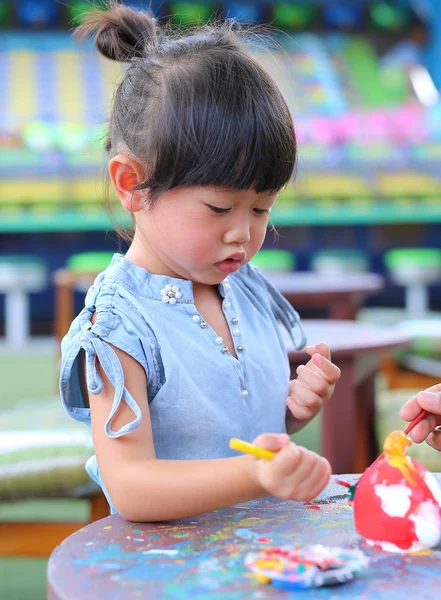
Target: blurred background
(362, 79)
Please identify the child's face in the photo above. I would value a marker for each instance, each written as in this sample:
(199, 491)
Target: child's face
(203, 234)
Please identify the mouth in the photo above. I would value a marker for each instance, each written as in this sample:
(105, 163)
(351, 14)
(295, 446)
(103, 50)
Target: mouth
(232, 263)
(239, 256)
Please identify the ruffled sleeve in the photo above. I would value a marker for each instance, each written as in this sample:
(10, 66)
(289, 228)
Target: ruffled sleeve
(87, 343)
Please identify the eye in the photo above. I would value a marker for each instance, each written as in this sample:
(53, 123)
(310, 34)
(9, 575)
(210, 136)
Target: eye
(218, 210)
(262, 211)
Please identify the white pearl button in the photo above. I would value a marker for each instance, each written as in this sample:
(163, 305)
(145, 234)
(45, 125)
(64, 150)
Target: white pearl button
(225, 349)
(240, 348)
(235, 321)
(244, 393)
(178, 295)
(172, 300)
(196, 318)
(236, 332)
(175, 288)
(165, 298)
(219, 340)
(168, 287)
(203, 324)
(227, 305)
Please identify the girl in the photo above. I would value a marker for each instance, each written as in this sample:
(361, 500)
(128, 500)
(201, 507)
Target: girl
(179, 340)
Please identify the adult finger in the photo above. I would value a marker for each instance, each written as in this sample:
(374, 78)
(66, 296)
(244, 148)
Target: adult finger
(420, 432)
(434, 439)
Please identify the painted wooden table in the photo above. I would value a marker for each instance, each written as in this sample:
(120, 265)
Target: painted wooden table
(348, 418)
(341, 296)
(203, 557)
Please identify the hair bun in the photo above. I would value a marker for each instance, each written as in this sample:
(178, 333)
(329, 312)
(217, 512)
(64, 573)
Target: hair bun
(121, 33)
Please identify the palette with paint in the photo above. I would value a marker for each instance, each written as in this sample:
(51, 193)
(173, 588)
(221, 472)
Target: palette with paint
(309, 567)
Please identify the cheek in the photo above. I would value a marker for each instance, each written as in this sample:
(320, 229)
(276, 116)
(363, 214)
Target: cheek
(198, 245)
(258, 234)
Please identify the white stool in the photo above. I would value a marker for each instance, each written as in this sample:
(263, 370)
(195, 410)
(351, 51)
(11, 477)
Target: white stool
(415, 269)
(19, 275)
(339, 262)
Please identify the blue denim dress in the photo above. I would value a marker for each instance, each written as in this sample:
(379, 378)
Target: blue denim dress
(199, 394)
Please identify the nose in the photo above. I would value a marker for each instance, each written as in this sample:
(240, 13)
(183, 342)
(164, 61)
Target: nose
(238, 234)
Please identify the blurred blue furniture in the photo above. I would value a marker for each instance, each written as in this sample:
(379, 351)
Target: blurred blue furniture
(37, 14)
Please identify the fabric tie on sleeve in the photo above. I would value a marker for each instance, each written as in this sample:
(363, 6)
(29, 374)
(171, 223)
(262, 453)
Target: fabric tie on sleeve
(286, 314)
(95, 348)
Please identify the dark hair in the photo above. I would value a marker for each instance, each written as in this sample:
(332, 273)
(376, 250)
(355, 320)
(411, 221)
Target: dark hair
(198, 109)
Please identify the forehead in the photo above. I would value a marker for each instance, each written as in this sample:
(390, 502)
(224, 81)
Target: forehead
(211, 194)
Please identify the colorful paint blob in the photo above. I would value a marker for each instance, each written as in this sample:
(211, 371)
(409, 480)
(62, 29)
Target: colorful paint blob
(301, 568)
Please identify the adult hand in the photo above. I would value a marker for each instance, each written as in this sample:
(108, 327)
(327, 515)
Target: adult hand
(429, 428)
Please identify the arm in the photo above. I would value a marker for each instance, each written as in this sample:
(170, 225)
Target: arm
(144, 488)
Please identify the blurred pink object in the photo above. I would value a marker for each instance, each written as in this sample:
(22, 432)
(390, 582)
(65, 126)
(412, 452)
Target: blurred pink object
(407, 124)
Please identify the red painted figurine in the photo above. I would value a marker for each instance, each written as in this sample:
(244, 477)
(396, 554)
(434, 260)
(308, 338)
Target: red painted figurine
(397, 502)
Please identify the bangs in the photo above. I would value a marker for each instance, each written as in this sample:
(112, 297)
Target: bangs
(223, 124)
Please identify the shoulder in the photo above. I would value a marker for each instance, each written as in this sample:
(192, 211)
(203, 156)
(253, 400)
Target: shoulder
(113, 313)
(250, 278)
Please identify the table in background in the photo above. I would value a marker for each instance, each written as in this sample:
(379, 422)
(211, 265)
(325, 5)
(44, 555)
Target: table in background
(348, 418)
(342, 295)
(203, 556)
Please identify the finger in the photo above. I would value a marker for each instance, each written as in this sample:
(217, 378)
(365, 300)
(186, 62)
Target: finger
(314, 381)
(434, 439)
(272, 441)
(429, 400)
(331, 371)
(410, 409)
(286, 461)
(320, 348)
(303, 402)
(305, 466)
(299, 411)
(316, 481)
(420, 432)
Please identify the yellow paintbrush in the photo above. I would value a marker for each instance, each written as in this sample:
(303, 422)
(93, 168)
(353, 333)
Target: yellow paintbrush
(247, 448)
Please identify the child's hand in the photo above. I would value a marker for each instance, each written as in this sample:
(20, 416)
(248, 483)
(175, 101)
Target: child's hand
(314, 385)
(294, 473)
(428, 428)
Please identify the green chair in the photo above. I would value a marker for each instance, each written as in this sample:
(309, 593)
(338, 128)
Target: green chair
(339, 262)
(42, 456)
(19, 276)
(79, 274)
(415, 269)
(274, 260)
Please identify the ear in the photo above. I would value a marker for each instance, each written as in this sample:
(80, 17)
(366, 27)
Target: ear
(126, 173)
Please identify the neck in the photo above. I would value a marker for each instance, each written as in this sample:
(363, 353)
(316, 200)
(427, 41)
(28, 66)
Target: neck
(142, 254)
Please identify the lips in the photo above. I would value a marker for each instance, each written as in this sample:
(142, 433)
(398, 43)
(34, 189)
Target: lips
(231, 264)
(239, 256)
